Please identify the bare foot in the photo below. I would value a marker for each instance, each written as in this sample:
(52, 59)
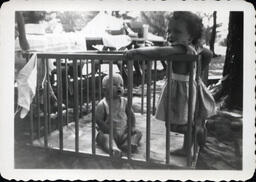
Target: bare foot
(179, 152)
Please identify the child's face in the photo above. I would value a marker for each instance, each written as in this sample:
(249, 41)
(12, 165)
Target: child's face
(117, 88)
(178, 33)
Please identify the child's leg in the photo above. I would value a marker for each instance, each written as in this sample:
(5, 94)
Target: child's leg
(136, 137)
(135, 140)
(181, 129)
(103, 141)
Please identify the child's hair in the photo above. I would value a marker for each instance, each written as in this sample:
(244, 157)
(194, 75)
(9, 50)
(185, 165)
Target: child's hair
(193, 21)
(105, 81)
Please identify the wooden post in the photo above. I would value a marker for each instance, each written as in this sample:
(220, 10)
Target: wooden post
(93, 107)
(76, 105)
(129, 104)
(60, 118)
(190, 113)
(148, 110)
(168, 119)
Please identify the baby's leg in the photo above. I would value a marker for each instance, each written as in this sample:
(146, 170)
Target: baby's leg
(103, 141)
(135, 140)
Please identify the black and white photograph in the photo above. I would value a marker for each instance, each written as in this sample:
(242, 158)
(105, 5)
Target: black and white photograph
(115, 91)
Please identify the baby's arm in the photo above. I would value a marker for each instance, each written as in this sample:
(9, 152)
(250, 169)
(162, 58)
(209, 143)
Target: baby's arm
(100, 118)
(154, 52)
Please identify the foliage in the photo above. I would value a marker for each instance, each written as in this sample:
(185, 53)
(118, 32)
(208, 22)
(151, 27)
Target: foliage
(157, 21)
(73, 20)
(33, 16)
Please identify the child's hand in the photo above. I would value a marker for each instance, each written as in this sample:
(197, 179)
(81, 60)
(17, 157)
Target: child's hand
(129, 54)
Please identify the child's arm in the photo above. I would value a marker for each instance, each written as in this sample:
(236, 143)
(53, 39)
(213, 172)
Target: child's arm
(154, 52)
(100, 118)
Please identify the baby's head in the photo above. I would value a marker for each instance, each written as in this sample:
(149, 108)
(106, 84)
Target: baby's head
(184, 27)
(117, 85)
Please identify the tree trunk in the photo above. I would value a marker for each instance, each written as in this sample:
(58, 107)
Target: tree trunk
(233, 67)
(213, 34)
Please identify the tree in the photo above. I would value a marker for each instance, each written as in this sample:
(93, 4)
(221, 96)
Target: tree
(73, 20)
(232, 85)
(213, 33)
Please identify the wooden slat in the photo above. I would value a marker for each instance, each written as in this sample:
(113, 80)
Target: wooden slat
(45, 110)
(31, 118)
(154, 88)
(198, 75)
(190, 114)
(142, 86)
(129, 104)
(76, 105)
(93, 108)
(148, 110)
(81, 88)
(48, 96)
(66, 80)
(100, 84)
(38, 108)
(110, 106)
(168, 116)
(60, 117)
(87, 85)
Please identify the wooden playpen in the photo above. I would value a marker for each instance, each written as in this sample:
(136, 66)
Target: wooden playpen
(84, 94)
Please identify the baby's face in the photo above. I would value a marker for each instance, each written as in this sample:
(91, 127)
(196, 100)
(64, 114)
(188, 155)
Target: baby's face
(118, 89)
(178, 33)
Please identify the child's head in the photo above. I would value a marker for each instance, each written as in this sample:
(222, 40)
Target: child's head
(184, 27)
(117, 85)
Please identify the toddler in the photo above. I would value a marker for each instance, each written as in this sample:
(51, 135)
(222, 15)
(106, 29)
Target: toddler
(119, 115)
(184, 32)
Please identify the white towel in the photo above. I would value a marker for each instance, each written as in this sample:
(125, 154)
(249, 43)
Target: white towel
(27, 81)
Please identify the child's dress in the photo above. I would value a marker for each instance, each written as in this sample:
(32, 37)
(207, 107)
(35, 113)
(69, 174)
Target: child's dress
(179, 98)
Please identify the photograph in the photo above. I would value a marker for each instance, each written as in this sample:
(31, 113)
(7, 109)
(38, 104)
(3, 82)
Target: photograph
(129, 91)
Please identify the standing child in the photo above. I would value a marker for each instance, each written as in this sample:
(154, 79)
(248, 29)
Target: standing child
(184, 32)
(119, 113)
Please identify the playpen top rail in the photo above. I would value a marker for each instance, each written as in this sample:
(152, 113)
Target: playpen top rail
(111, 56)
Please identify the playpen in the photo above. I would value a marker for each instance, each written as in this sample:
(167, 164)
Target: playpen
(86, 91)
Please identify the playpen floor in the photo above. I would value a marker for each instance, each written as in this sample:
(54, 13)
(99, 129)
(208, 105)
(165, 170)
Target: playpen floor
(157, 140)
